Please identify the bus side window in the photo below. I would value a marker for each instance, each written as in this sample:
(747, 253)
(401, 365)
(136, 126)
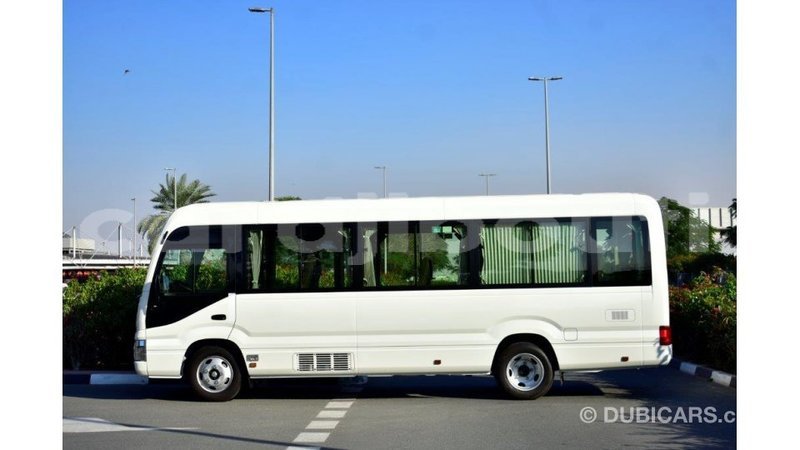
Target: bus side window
(185, 271)
(559, 252)
(443, 254)
(396, 253)
(622, 255)
(506, 252)
(194, 271)
(287, 258)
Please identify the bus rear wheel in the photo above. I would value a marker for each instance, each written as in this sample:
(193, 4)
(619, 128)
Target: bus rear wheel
(524, 371)
(214, 374)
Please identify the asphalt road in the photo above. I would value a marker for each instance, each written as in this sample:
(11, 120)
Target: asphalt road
(660, 407)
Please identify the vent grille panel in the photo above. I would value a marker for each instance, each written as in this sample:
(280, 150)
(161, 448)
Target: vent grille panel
(341, 361)
(323, 362)
(305, 362)
(620, 315)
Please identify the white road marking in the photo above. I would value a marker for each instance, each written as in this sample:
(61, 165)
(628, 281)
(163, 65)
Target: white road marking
(98, 425)
(322, 425)
(339, 405)
(335, 409)
(311, 437)
(332, 414)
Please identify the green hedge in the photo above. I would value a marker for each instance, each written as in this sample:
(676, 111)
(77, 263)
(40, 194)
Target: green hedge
(703, 319)
(696, 263)
(100, 320)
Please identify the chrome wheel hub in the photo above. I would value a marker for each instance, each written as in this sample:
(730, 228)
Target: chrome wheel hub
(214, 374)
(525, 372)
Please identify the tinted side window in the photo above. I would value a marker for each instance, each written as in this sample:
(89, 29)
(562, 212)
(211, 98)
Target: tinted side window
(538, 252)
(398, 263)
(325, 254)
(289, 257)
(195, 269)
(506, 249)
(559, 252)
(622, 256)
(443, 254)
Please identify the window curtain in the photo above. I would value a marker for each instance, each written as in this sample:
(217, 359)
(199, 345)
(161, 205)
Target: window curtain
(506, 254)
(557, 257)
(369, 258)
(254, 243)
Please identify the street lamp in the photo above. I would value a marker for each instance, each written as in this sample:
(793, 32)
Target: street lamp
(174, 187)
(384, 178)
(271, 11)
(487, 175)
(546, 124)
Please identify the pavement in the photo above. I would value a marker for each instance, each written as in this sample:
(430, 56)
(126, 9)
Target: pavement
(121, 377)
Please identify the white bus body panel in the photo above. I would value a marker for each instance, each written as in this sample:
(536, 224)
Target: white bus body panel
(276, 327)
(401, 332)
(395, 332)
(166, 345)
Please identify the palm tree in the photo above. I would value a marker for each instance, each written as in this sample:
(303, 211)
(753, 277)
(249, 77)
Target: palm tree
(729, 234)
(164, 202)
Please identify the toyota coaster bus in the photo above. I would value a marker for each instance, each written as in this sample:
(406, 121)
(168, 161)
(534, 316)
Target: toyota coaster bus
(519, 287)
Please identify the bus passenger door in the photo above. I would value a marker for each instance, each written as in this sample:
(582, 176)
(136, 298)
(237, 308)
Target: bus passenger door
(290, 319)
(192, 295)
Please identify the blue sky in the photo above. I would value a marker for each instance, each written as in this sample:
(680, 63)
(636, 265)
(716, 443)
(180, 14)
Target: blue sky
(436, 91)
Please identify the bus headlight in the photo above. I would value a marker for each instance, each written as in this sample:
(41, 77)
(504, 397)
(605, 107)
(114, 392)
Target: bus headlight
(139, 350)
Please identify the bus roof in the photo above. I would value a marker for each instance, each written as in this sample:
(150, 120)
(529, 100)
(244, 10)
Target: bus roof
(415, 208)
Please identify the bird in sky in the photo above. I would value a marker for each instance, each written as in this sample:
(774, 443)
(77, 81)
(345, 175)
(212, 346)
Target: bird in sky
(126, 71)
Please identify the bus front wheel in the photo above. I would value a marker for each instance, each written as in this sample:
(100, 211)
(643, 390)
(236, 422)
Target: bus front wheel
(214, 374)
(524, 371)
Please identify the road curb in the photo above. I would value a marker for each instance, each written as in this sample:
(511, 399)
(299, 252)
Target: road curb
(103, 378)
(717, 376)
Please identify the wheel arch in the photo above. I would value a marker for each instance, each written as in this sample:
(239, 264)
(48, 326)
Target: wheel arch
(536, 339)
(223, 343)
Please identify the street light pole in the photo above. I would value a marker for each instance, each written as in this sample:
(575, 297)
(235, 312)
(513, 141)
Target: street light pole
(487, 175)
(174, 187)
(546, 124)
(384, 178)
(271, 11)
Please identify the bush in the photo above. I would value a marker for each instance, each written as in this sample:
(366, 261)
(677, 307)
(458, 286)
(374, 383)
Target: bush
(100, 320)
(696, 263)
(703, 319)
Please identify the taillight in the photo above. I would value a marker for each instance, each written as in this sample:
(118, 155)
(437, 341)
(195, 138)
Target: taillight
(665, 335)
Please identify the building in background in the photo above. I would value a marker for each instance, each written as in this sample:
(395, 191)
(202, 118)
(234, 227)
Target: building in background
(718, 218)
(81, 259)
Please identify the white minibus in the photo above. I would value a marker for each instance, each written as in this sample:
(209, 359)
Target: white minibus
(519, 287)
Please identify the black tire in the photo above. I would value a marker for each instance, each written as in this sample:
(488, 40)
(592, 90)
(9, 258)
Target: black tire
(524, 371)
(214, 374)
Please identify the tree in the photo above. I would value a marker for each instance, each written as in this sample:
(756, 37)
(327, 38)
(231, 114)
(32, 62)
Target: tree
(164, 202)
(686, 233)
(729, 233)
